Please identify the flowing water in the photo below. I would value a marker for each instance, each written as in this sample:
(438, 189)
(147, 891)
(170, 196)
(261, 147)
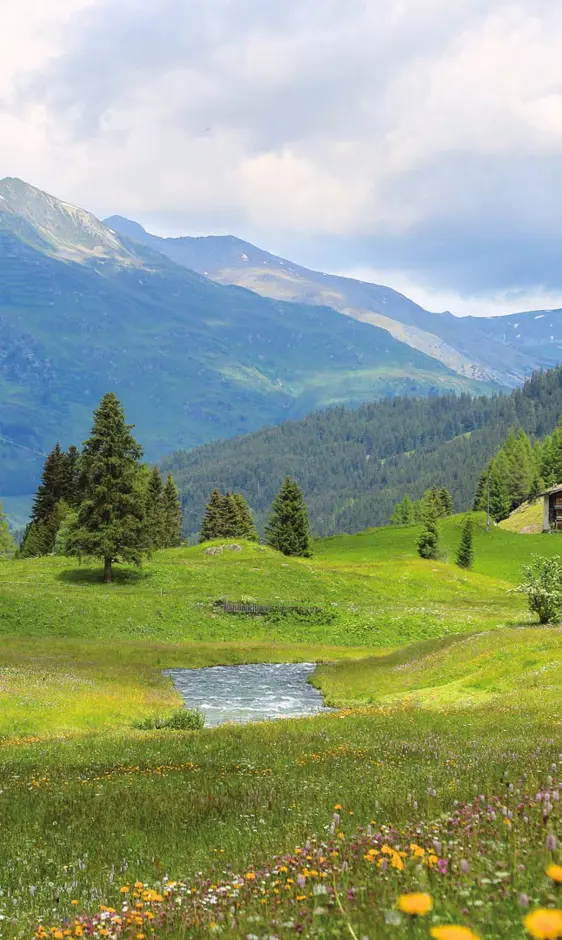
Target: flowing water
(249, 693)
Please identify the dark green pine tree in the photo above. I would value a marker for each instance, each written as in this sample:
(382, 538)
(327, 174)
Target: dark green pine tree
(232, 524)
(36, 540)
(480, 497)
(72, 494)
(155, 522)
(173, 515)
(212, 526)
(53, 486)
(428, 541)
(247, 528)
(444, 501)
(288, 528)
(465, 554)
(111, 520)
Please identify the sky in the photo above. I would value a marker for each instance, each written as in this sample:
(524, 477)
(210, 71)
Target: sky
(416, 143)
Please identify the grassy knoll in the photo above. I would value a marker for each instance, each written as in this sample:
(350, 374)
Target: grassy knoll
(504, 667)
(525, 519)
(499, 554)
(80, 655)
(444, 762)
(376, 589)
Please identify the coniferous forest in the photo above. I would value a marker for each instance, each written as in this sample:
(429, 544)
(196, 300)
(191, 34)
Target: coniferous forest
(355, 465)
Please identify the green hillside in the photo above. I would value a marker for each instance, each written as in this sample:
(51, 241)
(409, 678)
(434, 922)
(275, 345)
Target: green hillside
(449, 691)
(83, 311)
(355, 465)
(372, 589)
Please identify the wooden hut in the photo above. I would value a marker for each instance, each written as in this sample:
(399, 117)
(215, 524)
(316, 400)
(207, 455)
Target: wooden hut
(552, 514)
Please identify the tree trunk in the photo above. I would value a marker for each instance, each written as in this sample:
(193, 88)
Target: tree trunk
(107, 570)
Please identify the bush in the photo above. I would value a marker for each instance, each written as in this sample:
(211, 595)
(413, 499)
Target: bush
(542, 583)
(183, 719)
(428, 541)
(309, 616)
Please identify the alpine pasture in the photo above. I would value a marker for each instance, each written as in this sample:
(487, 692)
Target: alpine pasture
(426, 804)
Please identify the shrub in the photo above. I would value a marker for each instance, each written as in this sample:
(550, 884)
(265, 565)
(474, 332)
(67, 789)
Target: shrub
(182, 719)
(542, 583)
(428, 541)
(308, 616)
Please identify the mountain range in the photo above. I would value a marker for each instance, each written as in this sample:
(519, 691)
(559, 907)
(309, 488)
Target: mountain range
(207, 338)
(503, 350)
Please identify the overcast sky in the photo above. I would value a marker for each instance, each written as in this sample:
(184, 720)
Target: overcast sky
(413, 142)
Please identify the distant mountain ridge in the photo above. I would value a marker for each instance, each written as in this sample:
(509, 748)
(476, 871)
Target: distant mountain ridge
(84, 310)
(482, 349)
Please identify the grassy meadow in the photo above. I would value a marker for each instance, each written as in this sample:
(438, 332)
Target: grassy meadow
(439, 772)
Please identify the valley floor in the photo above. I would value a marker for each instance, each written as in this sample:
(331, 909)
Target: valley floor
(439, 774)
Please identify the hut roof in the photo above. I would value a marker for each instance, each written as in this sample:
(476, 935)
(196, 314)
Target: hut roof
(552, 490)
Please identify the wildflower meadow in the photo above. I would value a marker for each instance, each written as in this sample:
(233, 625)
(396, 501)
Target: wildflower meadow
(426, 804)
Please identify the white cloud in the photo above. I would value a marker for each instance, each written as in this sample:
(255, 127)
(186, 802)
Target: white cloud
(411, 124)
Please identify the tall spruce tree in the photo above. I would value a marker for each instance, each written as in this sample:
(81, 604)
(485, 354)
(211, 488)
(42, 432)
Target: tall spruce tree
(72, 494)
(212, 526)
(155, 521)
(231, 520)
(465, 553)
(56, 486)
(247, 528)
(444, 501)
(111, 518)
(288, 528)
(173, 515)
(53, 485)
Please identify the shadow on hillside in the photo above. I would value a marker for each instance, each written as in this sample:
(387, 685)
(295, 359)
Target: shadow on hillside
(121, 576)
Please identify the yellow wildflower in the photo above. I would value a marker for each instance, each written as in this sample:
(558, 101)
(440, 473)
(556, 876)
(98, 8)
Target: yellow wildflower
(452, 932)
(555, 872)
(544, 923)
(417, 904)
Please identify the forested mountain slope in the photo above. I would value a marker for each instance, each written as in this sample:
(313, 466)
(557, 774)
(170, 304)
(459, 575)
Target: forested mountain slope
(500, 349)
(84, 311)
(354, 465)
